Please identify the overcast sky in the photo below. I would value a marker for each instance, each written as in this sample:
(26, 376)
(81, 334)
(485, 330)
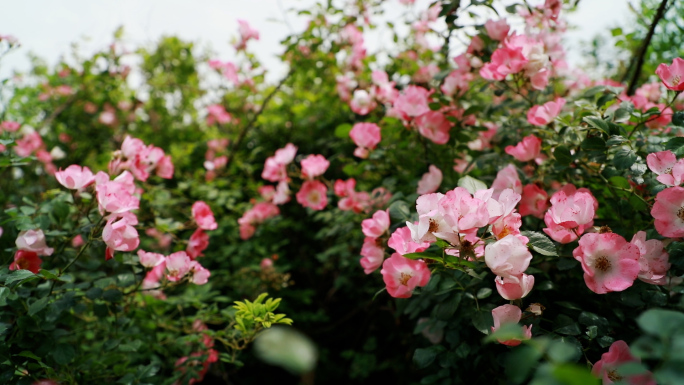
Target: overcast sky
(48, 28)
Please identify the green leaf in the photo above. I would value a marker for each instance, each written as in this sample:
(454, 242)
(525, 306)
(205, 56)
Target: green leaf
(619, 181)
(38, 305)
(593, 143)
(28, 354)
(18, 276)
(483, 293)
(422, 358)
(63, 354)
(566, 325)
(540, 243)
(571, 374)
(423, 255)
(660, 322)
(622, 115)
(400, 210)
(624, 158)
(676, 145)
(342, 131)
(112, 295)
(615, 140)
(597, 123)
(483, 321)
(562, 155)
(678, 119)
(471, 184)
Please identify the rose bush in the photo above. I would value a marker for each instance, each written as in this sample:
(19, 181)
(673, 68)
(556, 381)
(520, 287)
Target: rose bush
(465, 170)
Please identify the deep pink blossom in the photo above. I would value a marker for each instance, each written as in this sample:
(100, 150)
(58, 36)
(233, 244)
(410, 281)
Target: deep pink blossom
(514, 287)
(508, 257)
(617, 355)
(609, 262)
(313, 194)
(26, 260)
(434, 126)
(534, 201)
(668, 211)
(203, 216)
(9, 126)
(75, 177)
(528, 149)
(402, 275)
(653, 261)
(509, 314)
(198, 242)
(314, 165)
(505, 60)
(366, 136)
(430, 181)
(672, 76)
(34, 241)
(28, 144)
(546, 113)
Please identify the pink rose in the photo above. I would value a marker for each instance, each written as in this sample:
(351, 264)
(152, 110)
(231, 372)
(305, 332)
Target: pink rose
(376, 226)
(497, 30)
(199, 241)
(653, 261)
(528, 149)
(362, 102)
(413, 101)
(26, 260)
(120, 235)
(534, 201)
(402, 242)
(200, 275)
(508, 257)
(430, 181)
(75, 177)
(313, 194)
(434, 126)
(514, 287)
(546, 113)
(314, 165)
(668, 211)
(366, 136)
(609, 262)
(177, 265)
(150, 260)
(402, 275)
(373, 255)
(203, 216)
(664, 163)
(617, 355)
(672, 76)
(33, 241)
(509, 314)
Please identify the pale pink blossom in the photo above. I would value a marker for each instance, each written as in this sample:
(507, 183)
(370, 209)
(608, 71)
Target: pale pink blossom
(425, 73)
(366, 136)
(572, 212)
(509, 314)
(373, 254)
(75, 177)
(116, 196)
(668, 211)
(508, 257)
(246, 33)
(514, 287)
(313, 194)
(462, 212)
(9, 126)
(402, 242)
(120, 235)
(528, 149)
(430, 219)
(26, 260)
(664, 163)
(362, 102)
(534, 201)
(654, 260)
(203, 216)
(198, 242)
(377, 225)
(430, 181)
(507, 225)
(286, 154)
(313, 166)
(609, 262)
(457, 83)
(34, 241)
(413, 101)
(200, 275)
(28, 144)
(216, 113)
(403, 275)
(607, 367)
(150, 260)
(506, 178)
(497, 30)
(546, 113)
(672, 76)
(434, 126)
(177, 266)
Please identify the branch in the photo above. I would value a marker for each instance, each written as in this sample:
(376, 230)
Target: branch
(644, 47)
(254, 118)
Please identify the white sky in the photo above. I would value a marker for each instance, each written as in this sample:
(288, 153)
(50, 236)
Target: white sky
(48, 28)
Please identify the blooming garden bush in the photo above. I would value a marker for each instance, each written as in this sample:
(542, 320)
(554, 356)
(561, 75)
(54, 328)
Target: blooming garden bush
(460, 206)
